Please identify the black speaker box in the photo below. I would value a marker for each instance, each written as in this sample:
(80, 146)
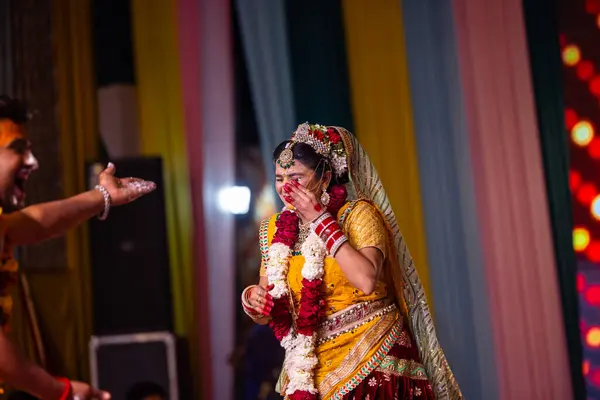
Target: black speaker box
(119, 363)
(130, 259)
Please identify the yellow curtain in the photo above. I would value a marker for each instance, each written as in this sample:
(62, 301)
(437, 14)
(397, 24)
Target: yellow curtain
(382, 111)
(162, 133)
(79, 139)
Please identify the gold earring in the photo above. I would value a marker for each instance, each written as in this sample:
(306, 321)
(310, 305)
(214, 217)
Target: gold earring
(325, 197)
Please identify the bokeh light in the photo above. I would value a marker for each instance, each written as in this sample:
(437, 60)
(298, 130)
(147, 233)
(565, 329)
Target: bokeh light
(592, 251)
(581, 238)
(571, 118)
(594, 148)
(585, 70)
(574, 180)
(592, 295)
(595, 85)
(580, 282)
(585, 368)
(586, 193)
(592, 337)
(571, 55)
(598, 20)
(594, 377)
(582, 133)
(595, 208)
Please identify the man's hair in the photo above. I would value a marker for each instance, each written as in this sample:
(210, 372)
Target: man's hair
(14, 110)
(144, 389)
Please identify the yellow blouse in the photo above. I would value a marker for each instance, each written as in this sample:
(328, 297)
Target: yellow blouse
(345, 357)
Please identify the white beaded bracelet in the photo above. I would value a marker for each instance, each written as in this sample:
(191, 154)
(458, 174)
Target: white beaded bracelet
(107, 202)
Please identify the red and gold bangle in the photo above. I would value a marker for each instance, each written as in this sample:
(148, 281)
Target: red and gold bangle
(248, 309)
(67, 391)
(327, 228)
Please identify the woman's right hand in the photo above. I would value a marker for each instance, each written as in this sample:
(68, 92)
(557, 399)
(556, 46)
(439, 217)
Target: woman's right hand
(260, 299)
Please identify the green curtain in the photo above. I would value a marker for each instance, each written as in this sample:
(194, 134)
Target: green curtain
(542, 36)
(318, 62)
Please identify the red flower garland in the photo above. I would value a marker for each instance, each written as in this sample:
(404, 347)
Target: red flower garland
(312, 306)
(337, 199)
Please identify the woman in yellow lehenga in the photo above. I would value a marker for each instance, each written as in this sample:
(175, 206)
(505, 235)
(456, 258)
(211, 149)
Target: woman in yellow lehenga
(338, 286)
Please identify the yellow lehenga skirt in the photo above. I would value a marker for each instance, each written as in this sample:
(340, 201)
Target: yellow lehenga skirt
(364, 347)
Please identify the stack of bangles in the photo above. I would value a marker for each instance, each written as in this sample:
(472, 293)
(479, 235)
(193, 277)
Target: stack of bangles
(327, 228)
(248, 309)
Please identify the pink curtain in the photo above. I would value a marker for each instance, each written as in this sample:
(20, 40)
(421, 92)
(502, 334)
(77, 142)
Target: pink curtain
(511, 202)
(206, 59)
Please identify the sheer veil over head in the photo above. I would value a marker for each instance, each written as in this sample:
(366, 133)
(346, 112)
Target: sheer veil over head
(365, 184)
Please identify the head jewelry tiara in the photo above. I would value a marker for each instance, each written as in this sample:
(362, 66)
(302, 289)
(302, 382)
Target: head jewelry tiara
(325, 141)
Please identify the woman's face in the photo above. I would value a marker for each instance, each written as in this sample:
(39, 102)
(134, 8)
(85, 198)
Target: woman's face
(300, 173)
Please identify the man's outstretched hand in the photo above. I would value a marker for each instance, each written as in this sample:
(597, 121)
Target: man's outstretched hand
(124, 190)
(83, 391)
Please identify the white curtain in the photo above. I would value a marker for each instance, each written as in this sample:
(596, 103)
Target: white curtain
(264, 39)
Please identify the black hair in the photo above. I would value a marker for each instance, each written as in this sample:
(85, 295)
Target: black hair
(14, 110)
(308, 156)
(144, 389)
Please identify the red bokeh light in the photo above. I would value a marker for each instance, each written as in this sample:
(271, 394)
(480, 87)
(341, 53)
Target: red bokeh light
(580, 282)
(585, 70)
(586, 193)
(595, 85)
(594, 149)
(594, 377)
(592, 6)
(574, 180)
(593, 251)
(585, 368)
(562, 39)
(592, 295)
(571, 118)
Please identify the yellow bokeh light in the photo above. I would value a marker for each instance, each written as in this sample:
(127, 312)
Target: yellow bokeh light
(581, 239)
(593, 337)
(582, 133)
(571, 55)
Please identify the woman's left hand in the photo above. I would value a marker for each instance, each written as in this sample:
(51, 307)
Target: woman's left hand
(304, 200)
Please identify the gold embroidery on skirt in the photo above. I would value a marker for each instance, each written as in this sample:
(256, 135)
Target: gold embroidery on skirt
(357, 354)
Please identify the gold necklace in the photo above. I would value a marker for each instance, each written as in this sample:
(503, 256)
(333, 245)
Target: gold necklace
(303, 232)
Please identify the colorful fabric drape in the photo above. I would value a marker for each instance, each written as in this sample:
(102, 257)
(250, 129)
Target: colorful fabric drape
(383, 113)
(79, 142)
(264, 38)
(511, 199)
(544, 53)
(206, 53)
(445, 170)
(162, 133)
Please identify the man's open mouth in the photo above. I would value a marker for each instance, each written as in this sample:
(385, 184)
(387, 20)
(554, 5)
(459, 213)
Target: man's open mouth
(18, 195)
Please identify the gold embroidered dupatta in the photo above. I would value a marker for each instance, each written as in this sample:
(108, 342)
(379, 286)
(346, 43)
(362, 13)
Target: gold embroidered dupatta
(365, 184)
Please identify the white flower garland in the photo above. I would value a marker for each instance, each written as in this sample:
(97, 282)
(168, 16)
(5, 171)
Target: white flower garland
(300, 358)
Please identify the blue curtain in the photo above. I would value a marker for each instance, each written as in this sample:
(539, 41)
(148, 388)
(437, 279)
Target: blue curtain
(455, 259)
(264, 39)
